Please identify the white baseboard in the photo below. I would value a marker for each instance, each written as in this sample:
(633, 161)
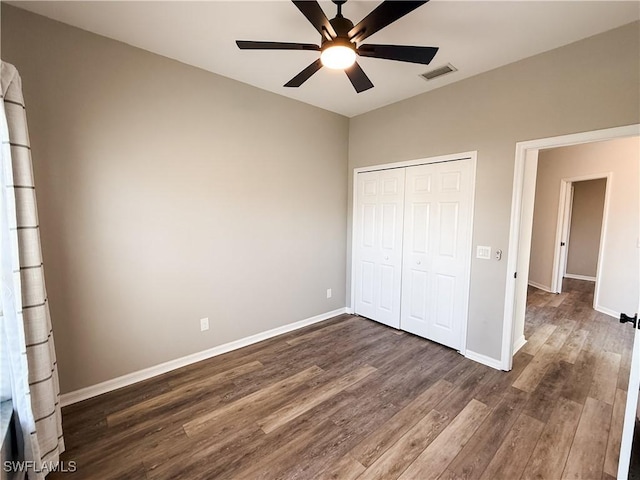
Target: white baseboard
(519, 343)
(144, 374)
(539, 286)
(607, 311)
(483, 359)
(580, 277)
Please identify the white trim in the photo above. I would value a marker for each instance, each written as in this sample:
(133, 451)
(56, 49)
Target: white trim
(483, 359)
(607, 311)
(516, 214)
(608, 188)
(563, 228)
(580, 277)
(539, 286)
(557, 252)
(470, 155)
(354, 202)
(419, 161)
(465, 326)
(519, 343)
(146, 373)
(512, 258)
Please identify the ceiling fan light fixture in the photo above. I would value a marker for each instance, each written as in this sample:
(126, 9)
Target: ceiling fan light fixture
(338, 57)
(341, 41)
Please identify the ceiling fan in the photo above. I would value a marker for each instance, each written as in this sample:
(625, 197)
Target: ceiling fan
(341, 41)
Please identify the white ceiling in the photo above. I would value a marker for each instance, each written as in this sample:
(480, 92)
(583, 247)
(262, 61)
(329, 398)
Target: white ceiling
(474, 36)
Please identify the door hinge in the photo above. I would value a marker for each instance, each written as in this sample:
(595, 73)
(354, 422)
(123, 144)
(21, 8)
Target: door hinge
(626, 318)
(515, 275)
(562, 244)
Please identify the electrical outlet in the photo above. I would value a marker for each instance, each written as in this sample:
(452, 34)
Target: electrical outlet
(328, 293)
(204, 324)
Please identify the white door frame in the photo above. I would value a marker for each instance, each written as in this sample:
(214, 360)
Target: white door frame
(566, 185)
(471, 155)
(524, 179)
(565, 208)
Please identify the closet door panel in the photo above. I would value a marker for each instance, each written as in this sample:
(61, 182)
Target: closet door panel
(378, 245)
(437, 245)
(412, 246)
(416, 267)
(451, 260)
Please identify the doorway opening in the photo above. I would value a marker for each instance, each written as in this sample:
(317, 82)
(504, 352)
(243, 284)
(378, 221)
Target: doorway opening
(583, 206)
(566, 336)
(578, 236)
(582, 213)
(520, 238)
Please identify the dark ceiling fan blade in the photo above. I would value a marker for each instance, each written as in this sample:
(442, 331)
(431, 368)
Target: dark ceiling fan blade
(384, 14)
(250, 45)
(358, 78)
(401, 53)
(304, 75)
(312, 10)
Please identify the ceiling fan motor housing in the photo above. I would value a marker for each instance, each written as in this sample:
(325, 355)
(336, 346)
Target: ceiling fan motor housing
(342, 26)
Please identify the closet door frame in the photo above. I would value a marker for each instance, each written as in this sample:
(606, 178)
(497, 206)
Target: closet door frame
(473, 157)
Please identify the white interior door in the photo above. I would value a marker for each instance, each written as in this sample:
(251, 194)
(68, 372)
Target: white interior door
(437, 246)
(564, 238)
(378, 245)
(632, 410)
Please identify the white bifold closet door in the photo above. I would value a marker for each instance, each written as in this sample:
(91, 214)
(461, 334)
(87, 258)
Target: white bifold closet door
(412, 246)
(378, 245)
(436, 253)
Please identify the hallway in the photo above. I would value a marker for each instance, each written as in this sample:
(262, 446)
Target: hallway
(577, 380)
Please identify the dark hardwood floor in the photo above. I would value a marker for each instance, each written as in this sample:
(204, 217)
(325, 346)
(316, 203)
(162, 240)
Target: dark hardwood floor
(349, 398)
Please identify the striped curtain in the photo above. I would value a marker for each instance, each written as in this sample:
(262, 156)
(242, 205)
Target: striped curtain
(25, 320)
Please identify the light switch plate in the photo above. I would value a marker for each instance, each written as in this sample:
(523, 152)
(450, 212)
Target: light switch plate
(483, 252)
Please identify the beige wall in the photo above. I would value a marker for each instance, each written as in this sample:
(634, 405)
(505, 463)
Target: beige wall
(620, 284)
(167, 194)
(586, 226)
(588, 85)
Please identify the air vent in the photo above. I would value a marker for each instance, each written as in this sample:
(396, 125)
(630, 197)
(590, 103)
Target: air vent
(438, 72)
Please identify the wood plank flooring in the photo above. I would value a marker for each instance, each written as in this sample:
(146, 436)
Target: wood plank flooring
(349, 398)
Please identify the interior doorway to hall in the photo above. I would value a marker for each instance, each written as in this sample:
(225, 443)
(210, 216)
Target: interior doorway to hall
(576, 256)
(582, 230)
(585, 224)
(582, 274)
(578, 230)
(568, 231)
